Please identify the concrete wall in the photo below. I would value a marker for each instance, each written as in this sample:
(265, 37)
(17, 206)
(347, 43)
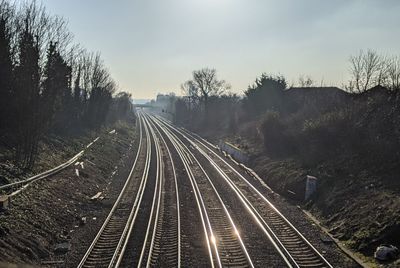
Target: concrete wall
(235, 152)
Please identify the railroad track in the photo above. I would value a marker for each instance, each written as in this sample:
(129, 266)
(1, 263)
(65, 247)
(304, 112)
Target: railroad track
(289, 242)
(225, 246)
(108, 245)
(199, 204)
(192, 240)
(162, 245)
(164, 242)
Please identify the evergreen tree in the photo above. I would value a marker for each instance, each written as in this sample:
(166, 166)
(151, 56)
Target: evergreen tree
(98, 106)
(36, 95)
(27, 92)
(6, 75)
(265, 94)
(56, 96)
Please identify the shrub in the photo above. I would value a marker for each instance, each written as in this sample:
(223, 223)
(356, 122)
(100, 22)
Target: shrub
(277, 141)
(329, 134)
(312, 140)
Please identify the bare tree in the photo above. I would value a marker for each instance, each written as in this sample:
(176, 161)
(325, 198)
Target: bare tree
(198, 92)
(205, 80)
(393, 74)
(33, 18)
(372, 64)
(356, 70)
(59, 34)
(191, 92)
(100, 76)
(189, 89)
(207, 84)
(367, 69)
(306, 81)
(382, 74)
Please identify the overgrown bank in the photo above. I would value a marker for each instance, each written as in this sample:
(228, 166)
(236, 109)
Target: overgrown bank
(349, 140)
(350, 143)
(54, 220)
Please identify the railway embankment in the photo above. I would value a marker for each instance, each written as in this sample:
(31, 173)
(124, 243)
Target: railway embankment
(54, 220)
(294, 214)
(350, 143)
(356, 200)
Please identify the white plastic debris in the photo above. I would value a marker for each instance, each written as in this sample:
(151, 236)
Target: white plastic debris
(96, 196)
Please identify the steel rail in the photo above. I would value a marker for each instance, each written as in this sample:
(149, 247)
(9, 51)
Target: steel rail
(118, 201)
(322, 258)
(43, 175)
(247, 256)
(269, 203)
(157, 193)
(26, 182)
(176, 196)
(200, 203)
(123, 242)
(253, 212)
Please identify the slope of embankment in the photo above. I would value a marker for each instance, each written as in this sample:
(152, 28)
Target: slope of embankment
(351, 143)
(54, 220)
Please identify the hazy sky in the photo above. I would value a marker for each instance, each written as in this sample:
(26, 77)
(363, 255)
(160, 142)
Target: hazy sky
(152, 46)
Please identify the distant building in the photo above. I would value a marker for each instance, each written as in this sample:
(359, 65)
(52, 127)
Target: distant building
(162, 99)
(315, 96)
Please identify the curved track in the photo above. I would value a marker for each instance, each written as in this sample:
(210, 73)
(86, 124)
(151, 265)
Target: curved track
(162, 245)
(291, 244)
(108, 242)
(185, 205)
(224, 240)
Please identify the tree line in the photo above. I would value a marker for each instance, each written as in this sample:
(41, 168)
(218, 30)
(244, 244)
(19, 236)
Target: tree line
(369, 69)
(48, 83)
(311, 121)
(207, 101)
